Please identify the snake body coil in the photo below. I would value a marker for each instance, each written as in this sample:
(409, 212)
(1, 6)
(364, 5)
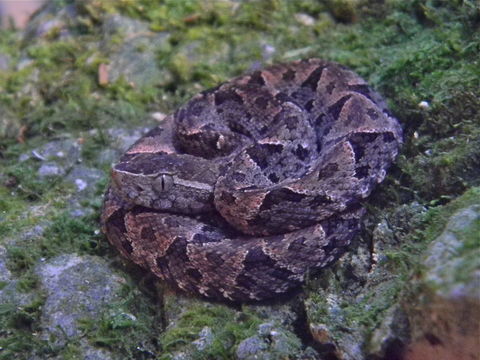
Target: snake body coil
(251, 184)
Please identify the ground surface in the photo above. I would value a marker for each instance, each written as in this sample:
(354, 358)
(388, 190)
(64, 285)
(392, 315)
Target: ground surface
(87, 78)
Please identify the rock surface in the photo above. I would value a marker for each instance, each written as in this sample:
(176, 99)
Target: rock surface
(445, 312)
(76, 288)
(134, 59)
(352, 309)
(5, 62)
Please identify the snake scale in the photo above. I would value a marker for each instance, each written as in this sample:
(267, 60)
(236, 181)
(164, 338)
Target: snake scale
(251, 184)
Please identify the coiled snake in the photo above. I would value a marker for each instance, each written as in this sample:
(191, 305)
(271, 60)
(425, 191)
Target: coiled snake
(253, 183)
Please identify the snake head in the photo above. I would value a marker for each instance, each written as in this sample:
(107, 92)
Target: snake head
(163, 182)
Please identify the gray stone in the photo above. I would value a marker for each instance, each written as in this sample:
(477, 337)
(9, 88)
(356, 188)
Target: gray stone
(24, 62)
(446, 305)
(9, 124)
(391, 335)
(383, 232)
(24, 157)
(392, 230)
(135, 58)
(333, 333)
(65, 152)
(57, 156)
(275, 338)
(285, 343)
(77, 210)
(444, 261)
(359, 295)
(33, 233)
(9, 293)
(205, 339)
(252, 348)
(53, 18)
(282, 315)
(265, 329)
(49, 26)
(271, 342)
(84, 178)
(182, 356)
(194, 52)
(50, 169)
(91, 353)
(117, 24)
(5, 61)
(11, 296)
(121, 139)
(84, 351)
(108, 157)
(268, 52)
(5, 274)
(76, 287)
(305, 19)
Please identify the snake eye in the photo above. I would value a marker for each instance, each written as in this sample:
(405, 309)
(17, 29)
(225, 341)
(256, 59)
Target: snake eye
(163, 183)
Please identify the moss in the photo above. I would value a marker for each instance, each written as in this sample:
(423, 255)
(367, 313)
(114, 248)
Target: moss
(369, 310)
(450, 282)
(403, 263)
(437, 217)
(64, 234)
(406, 259)
(469, 253)
(363, 313)
(9, 43)
(17, 331)
(92, 146)
(343, 10)
(227, 326)
(29, 185)
(162, 14)
(409, 52)
(129, 327)
(11, 209)
(446, 146)
(470, 237)
(64, 75)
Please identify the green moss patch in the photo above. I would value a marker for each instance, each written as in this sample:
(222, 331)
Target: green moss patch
(129, 327)
(17, 328)
(228, 326)
(437, 217)
(65, 234)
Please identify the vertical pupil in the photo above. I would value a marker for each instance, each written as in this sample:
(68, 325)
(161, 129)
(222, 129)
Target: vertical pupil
(163, 182)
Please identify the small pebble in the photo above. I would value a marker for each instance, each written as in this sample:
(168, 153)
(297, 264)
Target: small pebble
(424, 105)
(305, 19)
(81, 184)
(158, 116)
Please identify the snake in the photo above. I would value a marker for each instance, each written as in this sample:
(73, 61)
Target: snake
(252, 185)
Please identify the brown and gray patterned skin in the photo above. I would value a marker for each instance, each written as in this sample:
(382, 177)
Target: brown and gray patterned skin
(252, 184)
